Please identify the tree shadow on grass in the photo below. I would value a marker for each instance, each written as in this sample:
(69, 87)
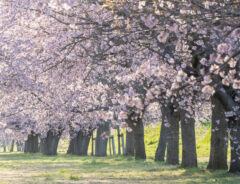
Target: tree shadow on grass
(210, 176)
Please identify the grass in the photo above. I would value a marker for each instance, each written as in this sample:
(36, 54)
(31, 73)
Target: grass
(38, 169)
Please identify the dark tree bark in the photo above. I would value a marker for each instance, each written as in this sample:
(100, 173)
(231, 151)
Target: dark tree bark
(19, 146)
(139, 145)
(73, 135)
(138, 138)
(162, 144)
(31, 144)
(49, 144)
(235, 142)
(226, 97)
(71, 145)
(230, 105)
(219, 137)
(101, 141)
(12, 146)
(129, 143)
(81, 143)
(189, 153)
(119, 141)
(4, 146)
(172, 136)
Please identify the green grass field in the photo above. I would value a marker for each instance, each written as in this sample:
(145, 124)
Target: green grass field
(20, 168)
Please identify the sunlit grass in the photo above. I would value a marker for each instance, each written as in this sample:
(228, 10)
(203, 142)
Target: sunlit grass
(36, 168)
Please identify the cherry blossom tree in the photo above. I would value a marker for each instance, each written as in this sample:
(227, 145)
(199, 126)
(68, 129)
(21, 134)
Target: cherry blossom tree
(200, 44)
(121, 56)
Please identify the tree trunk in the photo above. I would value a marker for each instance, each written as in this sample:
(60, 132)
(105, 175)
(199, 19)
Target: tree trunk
(189, 153)
(219, 137)
(49, 144)
(4, 146)
(81, 143)
(71, 141)
(102, 139)
(139, 140)
(31, 144)
(172, 136)
(12, 146)
(235, 146)
(71, 145)
(138, 136)
(162, 144)
(129, 143)
(19, 146)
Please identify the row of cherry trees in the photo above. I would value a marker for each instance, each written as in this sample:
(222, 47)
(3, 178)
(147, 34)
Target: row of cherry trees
(69, 66)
